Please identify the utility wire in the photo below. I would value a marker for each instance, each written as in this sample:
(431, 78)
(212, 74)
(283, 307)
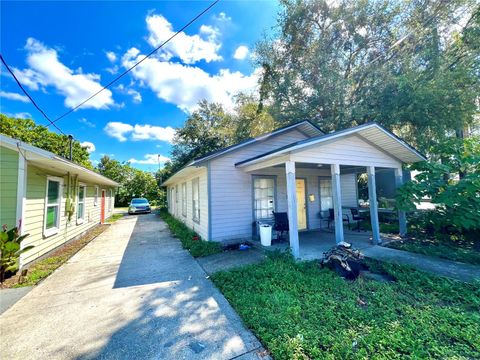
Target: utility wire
(28, 95)
(138, 63)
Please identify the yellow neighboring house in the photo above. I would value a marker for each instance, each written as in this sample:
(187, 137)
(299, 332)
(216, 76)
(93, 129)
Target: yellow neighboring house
(53, 199)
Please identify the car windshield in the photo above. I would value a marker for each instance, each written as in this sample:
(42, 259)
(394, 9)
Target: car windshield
(139, 201)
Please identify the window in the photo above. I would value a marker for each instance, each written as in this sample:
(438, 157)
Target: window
(53, 200)
(263, 197)
(326, 198)
(176, 199)
(184, 199)
(95, 199)
(196, 200)
(82, 190)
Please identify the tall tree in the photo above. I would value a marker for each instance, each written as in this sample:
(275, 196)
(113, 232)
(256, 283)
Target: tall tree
(37, 135)
(349, 62)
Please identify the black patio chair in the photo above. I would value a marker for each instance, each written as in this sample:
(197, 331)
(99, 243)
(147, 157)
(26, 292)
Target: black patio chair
(281, 223)
(356, 216)
(331, 218)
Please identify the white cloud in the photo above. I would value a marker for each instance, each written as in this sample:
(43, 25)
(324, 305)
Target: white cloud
(89, 145)
(241, 52)
(86, 122)
(150, 159)
(138, 132)
(189, 48)
(111, 56)
(13, 96)
(185, 85)
(136, 96)
(118, 130)
(47, 70)
(20, 115)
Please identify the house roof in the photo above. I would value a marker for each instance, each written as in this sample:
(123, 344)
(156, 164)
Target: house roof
(47, 160)
(306, 127)
(373, 133)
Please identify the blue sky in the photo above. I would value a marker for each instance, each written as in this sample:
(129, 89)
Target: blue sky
(64, 51)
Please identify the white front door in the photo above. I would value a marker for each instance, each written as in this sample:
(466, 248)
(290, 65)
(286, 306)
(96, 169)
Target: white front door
(301, 204)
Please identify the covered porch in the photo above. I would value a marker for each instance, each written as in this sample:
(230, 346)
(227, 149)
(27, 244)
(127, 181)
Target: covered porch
(361, 149)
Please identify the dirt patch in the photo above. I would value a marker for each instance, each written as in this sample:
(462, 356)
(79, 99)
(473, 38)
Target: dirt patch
(43, 267)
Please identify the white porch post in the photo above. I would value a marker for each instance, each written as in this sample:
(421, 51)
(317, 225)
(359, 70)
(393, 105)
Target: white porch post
(337, 202)
(292, 208)
(402, 218)
(372, 198)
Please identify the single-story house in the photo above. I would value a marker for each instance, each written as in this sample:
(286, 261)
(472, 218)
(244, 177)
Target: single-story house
(296, 169)
(53, 199)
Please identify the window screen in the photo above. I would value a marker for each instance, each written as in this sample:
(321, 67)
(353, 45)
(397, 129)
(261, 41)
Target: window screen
(326, 198)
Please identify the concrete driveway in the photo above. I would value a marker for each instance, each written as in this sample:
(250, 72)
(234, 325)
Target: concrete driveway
(132, 293)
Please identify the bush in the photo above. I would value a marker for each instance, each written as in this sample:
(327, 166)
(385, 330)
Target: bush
(189, 239)
(10, 251)
(452, 181)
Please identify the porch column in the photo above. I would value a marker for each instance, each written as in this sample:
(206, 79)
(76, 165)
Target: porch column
(337, 202)
(292, 208)
(372, 198)
(402, 218)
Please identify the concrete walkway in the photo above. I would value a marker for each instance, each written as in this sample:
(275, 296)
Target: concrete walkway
(132, 293)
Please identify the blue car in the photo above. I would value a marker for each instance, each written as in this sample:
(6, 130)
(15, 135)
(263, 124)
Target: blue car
(139, 206)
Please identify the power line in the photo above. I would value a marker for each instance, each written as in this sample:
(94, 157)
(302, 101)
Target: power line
(28, 95)
(138, 63)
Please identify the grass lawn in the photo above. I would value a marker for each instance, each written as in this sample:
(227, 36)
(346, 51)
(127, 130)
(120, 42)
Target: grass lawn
(189, 239)
(457, 250)
(43, 268)
(113, 218)
(300, 311)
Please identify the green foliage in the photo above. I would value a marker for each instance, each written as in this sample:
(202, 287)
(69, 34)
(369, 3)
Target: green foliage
(37, 135)
(300, 311)
(10, 250)
(453, 247)
(186, 236)
(453, 185)
(113, 218)
(347, 63)
(134, 182)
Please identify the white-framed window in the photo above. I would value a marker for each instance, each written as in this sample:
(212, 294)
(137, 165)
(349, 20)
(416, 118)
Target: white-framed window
(53, 200)
(81, 195)
(95, 199)
(184, 199)
(326, 196)
(263, 197)
(196, 200)
(112, 199)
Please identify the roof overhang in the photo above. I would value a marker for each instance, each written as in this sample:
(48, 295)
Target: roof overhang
(372, 133)
(54, 164)
(184, 173)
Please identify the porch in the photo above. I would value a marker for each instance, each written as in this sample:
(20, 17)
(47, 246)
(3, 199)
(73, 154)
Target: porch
(313, 243)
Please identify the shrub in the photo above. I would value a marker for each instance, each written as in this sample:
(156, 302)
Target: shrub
(453, 185)
(10, 250)
(189, 239)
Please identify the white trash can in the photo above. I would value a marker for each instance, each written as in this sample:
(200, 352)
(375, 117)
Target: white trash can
(266, 234)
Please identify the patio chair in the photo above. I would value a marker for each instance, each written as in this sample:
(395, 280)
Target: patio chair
(356, 216)
(281, 223)
(331, 218)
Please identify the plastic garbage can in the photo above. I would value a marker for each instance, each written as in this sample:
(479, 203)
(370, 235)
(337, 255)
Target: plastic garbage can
(266, 234)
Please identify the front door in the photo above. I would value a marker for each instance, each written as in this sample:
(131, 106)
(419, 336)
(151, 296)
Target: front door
(301, 204)
(102, 208)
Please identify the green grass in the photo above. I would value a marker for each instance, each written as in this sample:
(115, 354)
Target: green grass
(453, 249)
(43, 268)
(113, 218)
(198, 247)
(300, 311)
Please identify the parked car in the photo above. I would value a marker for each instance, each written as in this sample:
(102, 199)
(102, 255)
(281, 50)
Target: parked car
(138, 206)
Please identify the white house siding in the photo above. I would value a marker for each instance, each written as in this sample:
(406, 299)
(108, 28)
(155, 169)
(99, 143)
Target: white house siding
(346, 151)
(231, 187)
(175, 208)
(35, 212)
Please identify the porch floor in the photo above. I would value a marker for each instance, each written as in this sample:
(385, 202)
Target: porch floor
(313, 243)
